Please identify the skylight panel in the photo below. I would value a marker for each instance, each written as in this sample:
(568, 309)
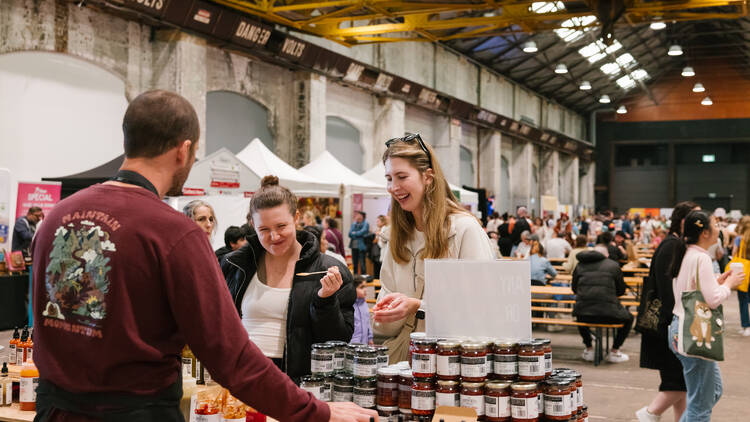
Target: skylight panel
(626, 82)
(640, 74)
(547, 6)
(610, 68)
(625, 60)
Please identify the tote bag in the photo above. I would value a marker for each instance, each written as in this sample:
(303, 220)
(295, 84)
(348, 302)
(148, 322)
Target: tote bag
(701, 328)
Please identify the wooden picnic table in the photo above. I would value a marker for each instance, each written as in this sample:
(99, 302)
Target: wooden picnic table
(555, 290)
(558, 260)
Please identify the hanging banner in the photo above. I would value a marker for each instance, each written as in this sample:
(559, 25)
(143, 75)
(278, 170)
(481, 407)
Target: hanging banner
(37, 194)
(4, 209)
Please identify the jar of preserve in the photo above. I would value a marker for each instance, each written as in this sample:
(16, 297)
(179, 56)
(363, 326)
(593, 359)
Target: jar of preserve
(547, 347)
(472, 396)
(505, 354)
(343, 387)
(424, 358)
(573, 396)
(349, 356)
(388, 384)
(524, 400)
(321, 359)
(382, 355)
(364, 393)
(531, 361)
(489, 345)
(473, 362)
(388, 413)
(497, 401)
(579, 388)
(404, 391)
(585, 413)
(423, 397)
(447, 394)
(557, 399)
(365, 362)
(326, 393)
(412, 337)
(448, 360)
(339, 354)
(313, 384)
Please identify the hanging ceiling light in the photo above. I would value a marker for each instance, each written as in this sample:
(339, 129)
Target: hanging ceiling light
(658, 25)
(585, 86)
(561, 68)
(604, 99)
(675, 50)
(622, 110)
(688, 72)
(707, 101)
(698, 87)
(530, 47)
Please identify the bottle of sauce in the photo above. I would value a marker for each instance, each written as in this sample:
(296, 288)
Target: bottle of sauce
(29, 383)
(29, 348)
(21, 347)
(6, 387)
(188, 363)
(13, 346)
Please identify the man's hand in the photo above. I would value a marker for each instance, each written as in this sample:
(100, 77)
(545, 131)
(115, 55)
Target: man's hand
(395, 307)
(350, 412)
(330, 283)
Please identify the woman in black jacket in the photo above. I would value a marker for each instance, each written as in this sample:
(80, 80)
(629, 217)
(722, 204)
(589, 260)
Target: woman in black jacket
(655, 353)
(283, 311)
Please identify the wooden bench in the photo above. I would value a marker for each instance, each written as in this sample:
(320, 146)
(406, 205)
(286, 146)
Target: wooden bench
(601, 333)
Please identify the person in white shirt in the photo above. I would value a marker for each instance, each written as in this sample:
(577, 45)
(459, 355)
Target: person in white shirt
(493, 223)
(557, 247)
(524, 248)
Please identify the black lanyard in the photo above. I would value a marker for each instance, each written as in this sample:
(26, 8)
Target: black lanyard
(133, 178)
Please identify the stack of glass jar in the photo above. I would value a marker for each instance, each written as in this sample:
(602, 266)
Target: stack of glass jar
(501, 380)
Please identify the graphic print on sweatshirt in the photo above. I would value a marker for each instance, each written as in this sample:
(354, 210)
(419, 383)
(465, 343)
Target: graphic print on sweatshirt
(77, 280)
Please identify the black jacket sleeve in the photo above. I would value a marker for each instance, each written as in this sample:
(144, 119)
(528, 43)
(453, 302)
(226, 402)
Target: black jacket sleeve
(576, 277)
(333, 317)
(620, 285)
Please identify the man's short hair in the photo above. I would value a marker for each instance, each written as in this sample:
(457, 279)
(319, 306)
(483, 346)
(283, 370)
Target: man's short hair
(33, 210)
(157, 121)
(362, 213)
(247, 230)
(231, 235)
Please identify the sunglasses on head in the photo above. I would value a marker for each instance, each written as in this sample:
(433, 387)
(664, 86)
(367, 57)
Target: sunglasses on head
(409, 138)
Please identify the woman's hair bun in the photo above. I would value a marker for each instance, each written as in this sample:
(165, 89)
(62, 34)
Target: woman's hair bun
(269, 180)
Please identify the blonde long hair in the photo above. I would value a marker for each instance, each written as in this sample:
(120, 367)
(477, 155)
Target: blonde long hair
(439, 204)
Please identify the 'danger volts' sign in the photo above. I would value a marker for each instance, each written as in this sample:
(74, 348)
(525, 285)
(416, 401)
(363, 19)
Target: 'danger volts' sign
(477, 299)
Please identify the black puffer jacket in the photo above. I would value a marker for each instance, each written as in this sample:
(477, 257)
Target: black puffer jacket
(310, 318)
(598, 283)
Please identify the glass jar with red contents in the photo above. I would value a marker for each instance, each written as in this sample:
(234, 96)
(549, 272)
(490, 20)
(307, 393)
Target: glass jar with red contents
(524, 406)
(497, 401)
(573, 396)
(448, 360)
(447, 393)
(423, 397)
(412, 337)
(505, 365)
(474, 362)
(585, 413)
(579, 388)
(547, 347)
(424, 358)
(531, 361)
(388, 386)
(557, 399)
(472, 396)
(404, 392)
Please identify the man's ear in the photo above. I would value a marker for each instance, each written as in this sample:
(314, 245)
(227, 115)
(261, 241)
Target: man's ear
(184, 151)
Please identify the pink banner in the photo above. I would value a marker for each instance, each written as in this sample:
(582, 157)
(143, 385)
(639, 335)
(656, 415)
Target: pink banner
(357, 202)
(37, 194)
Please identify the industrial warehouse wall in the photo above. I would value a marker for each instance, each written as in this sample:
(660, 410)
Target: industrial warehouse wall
(298, 103)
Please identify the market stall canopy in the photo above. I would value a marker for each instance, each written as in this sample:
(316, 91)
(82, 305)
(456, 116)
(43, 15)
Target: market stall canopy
(221, 173)
(326, 167)
(377, 175)
(263, 162)
(75, 182)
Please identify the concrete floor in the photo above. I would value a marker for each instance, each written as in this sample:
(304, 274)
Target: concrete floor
(613, 392)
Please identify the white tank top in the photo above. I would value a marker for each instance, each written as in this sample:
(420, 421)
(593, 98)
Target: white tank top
(264, 312)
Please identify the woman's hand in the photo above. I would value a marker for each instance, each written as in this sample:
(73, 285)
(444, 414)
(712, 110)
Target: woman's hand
(330, 283)
(395, 307)
(350, 412)
(731, 279)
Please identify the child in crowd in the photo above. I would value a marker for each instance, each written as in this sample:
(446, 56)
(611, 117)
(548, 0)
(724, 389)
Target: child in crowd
(362, 328)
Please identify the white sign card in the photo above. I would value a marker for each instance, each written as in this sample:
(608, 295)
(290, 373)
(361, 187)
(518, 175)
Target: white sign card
(477, 298)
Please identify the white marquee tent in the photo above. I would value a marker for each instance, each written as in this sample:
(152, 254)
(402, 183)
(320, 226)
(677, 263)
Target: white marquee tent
(220, 173)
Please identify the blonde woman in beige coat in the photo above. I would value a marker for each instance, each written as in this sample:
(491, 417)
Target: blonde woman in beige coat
(426, 223)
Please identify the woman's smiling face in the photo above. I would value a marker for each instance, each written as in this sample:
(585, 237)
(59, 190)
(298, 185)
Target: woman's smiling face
(405, 183)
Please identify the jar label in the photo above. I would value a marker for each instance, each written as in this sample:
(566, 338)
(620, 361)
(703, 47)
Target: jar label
(497, 407)
(540, 403)
(531, 366)
(423, 363)
(365, 367)
(423, 399)
(524, 408)
(321, 363)
(506, 364)
(573, 399)
(325, 392)
(338, 361)
(28, 389)
(316, 391)
(556, 405)
(548, 362)
(449, 365)
(387, 385)
(349, 363)
(187, 367)
(342, 393)
(580, 396)
(382, 361)
(474, 402)
(473, 367)
(365, 400)
(489, 364)
(447, 399)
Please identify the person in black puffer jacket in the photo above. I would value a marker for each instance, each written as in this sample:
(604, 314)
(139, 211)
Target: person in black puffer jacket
(598, 283)
(283, 312)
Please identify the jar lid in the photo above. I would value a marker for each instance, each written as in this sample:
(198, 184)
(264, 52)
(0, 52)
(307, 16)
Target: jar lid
(389, 371)
(449, 344)
(558, 382)
(388, 408)
(353, 346)
(498, 385)
(558, 370)
(405, 373)
(366, 382)
(526, 343)
(344, 376)
(472, 384)
(506, 343)
(323, 346)
(365, 351)
(425, 340)
(336, 343)
(524, 386)
(447, 383)
(585, 408)
(402, 365)
(312, 378)
(417, 335)
(474, 345)
(566, 379)
(544, 341)
(380, 348)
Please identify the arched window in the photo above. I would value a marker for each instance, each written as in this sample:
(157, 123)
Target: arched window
(233, 120)
(342, 141)
(467, 167)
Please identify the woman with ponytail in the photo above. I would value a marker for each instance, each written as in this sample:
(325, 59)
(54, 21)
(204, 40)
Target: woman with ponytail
(702, 377)
(426, 223)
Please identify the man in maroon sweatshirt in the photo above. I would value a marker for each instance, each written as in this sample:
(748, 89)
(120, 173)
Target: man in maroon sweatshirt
(122, 282)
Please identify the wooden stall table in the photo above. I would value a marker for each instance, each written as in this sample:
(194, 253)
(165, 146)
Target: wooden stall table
(14, 414)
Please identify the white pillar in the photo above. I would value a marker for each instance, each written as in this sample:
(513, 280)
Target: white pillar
(317, 113)
(521, 175)
(447, 148)
(390, 122)
(490, 156)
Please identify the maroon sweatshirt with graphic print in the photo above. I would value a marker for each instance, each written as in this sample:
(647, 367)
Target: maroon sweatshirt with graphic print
(121, 283)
